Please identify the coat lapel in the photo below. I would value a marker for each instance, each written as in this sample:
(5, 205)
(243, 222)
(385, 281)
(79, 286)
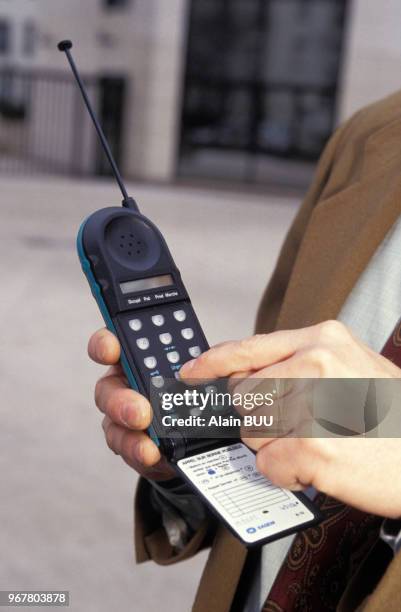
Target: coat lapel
(221, 575)
(344, 232)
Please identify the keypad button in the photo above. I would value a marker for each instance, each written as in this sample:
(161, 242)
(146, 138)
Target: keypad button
(195, 412)
(158, 320)
(157, 381)
(166, 338)
(180, 315)
(187, 333)
(173, 357)
(211, 389)
(194, 351)
(135, 324)
(143, 343)
(150, 362)
(177, 376)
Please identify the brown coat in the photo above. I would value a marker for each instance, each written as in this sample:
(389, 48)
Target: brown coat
(352, 203)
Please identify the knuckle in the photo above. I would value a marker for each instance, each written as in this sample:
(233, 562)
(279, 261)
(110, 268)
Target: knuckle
(115, 403)
(98, 393)
(304, 446)
(322, 358)
(331, 330)
(247, 346)
(127, 445)
(108, 434)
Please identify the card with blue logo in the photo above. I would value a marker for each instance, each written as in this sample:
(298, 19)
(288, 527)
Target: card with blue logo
(253, 508)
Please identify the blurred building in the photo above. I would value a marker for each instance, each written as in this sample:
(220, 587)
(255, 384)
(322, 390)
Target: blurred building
(220, 89)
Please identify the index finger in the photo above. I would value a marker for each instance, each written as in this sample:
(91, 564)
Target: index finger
(246, 355)
(104, 348)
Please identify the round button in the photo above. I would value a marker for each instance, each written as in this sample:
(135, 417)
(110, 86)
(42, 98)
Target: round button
(211, 389)
(177, 376)
(150, 362)
(187, 333)
(173, 357)
(195, 412)
(180, 315)
(157, 381)
(158, 320)
(142, 343)
(166, 338)
(194, 351)
(135, 324)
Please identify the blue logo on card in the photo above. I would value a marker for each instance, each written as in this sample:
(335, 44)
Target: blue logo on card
(251, 530)
(265, 525)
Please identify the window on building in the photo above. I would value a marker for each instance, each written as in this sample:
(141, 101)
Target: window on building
(260, 89)
(29, 38)
(115, 3)
(4, 36)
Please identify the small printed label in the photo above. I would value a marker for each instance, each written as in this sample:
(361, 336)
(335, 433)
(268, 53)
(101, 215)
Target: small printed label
(255, 508)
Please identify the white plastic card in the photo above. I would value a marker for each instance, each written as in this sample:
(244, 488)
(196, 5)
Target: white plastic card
(250, 504)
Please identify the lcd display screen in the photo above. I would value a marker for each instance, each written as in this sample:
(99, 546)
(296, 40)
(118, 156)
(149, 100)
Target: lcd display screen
(144, 284)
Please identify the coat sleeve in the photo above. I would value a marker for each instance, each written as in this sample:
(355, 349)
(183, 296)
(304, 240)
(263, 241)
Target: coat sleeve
(151, 541)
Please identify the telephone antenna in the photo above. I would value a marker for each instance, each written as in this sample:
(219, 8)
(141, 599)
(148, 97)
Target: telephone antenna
(65, 46)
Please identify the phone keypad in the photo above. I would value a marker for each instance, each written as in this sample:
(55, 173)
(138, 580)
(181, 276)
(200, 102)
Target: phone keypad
(161, 339)
(157, 343)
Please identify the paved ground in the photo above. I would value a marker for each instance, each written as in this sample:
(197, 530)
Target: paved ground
(66, 501)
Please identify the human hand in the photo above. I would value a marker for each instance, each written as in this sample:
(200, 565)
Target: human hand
(352, 470)
(326, 350)
(127, 413)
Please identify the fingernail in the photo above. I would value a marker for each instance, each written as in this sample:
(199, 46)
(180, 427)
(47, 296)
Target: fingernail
(187, 367)
(132, 416)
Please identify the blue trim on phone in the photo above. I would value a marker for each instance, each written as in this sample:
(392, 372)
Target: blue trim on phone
(97, 294)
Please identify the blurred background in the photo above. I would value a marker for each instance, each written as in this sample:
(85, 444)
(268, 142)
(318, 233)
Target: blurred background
(217, 111)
